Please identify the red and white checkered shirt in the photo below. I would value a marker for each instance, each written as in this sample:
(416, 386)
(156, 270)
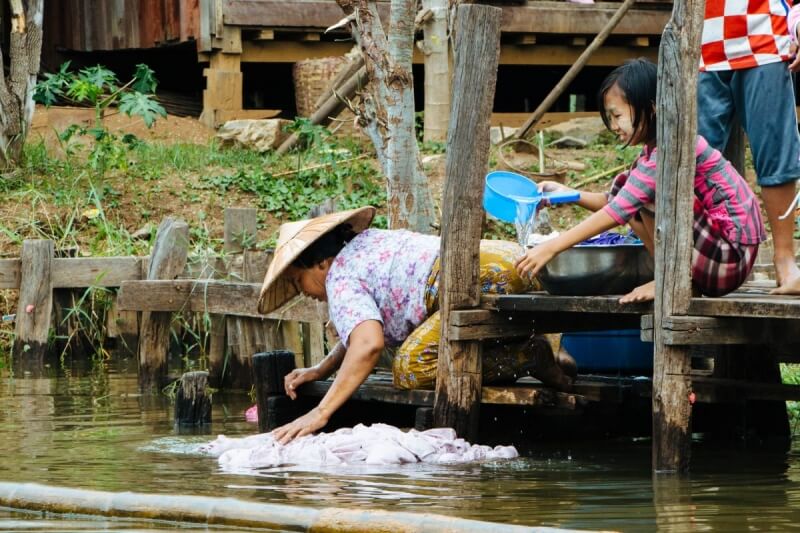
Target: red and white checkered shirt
(741, 34)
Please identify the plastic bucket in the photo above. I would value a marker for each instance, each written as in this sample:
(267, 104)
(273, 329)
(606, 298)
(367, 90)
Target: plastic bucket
(505, 192)
(617, 351)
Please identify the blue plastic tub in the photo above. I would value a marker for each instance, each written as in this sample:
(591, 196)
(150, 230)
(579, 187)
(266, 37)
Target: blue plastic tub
(616, 351)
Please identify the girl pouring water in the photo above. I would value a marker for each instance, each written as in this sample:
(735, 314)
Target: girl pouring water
(727, 219)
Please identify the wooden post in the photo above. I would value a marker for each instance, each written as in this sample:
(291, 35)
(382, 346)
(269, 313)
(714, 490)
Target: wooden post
(123, 326)
(167, 261)
(676, 112)
(477, 50)
(224, 88)
(269, 369)
(35, 307)
(192, 400)
(241, 228)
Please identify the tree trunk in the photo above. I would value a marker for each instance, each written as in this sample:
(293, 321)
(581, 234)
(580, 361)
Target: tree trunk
(437, 71)
(387, 109)
(16, 89)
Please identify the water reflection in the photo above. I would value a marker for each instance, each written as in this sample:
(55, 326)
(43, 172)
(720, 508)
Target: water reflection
(96, 432)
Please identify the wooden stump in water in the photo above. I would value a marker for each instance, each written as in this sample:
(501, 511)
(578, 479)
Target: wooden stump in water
(423, 418)
(192, 400)
(34, 311)
(274, 407)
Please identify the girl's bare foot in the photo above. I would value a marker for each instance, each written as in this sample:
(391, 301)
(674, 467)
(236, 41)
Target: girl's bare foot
(788, 277)
(643, 293)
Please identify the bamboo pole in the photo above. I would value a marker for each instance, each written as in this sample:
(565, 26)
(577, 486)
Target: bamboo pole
(234, 513)
(573, 71)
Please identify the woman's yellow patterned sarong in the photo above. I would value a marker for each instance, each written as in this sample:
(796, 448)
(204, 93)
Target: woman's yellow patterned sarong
(415, 363)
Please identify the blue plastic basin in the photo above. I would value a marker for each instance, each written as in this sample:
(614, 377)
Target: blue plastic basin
(617, 351)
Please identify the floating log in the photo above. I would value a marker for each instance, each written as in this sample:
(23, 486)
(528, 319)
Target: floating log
(477, 51)
(193, 400)
(168, 260)
(35, 307)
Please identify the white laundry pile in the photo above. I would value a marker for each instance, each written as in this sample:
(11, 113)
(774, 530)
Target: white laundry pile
(378, 444)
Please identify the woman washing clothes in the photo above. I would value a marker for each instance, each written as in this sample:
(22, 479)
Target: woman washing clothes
(382, 290)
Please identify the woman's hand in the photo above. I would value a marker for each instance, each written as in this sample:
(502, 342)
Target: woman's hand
(297, 377)
(535, 259)
(307, 424)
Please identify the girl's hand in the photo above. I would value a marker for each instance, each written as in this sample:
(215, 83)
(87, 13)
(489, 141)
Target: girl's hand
(551, 186)
(297, 377)
(534, 260)
(307, 424)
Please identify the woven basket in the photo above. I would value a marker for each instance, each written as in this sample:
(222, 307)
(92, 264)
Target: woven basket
(311, 78)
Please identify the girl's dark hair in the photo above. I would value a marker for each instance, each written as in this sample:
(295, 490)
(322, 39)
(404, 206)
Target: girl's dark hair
(637, 79)
(326, 246)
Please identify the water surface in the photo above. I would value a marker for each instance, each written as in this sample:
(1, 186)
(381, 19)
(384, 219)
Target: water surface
(97, 432)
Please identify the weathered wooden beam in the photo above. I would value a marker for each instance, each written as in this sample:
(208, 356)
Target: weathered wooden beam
(536, 17)
(521, 395)
(34, 308)
(221, 297)
(676, 112)
(543, 302)
(703, 330)
(79, 272)
(477, 50)
(168, 259)
(746, 305)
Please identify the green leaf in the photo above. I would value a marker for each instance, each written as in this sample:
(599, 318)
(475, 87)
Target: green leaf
(141, 105)
(82, 90)
(145, 81)
(100, 77)
(48, 90)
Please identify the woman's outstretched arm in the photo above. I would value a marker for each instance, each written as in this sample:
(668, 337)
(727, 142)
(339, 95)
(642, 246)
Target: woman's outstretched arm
(365, 346)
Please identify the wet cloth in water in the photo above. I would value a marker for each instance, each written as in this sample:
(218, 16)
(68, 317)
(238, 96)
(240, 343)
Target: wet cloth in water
(378, 444)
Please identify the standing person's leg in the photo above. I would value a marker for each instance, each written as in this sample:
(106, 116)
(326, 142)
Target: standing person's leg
(769, 117)
(715, 107)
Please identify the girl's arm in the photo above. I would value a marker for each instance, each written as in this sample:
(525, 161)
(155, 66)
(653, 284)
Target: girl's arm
(537, 257)
(366, 344)
(593, 201)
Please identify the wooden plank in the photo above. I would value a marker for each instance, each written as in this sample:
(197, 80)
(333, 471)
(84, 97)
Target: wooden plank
(477, 49)
(9, 273)
(676, 117)
(701, 330)
(221, 297)
(747, 305)
(542, 54)
(380, 391)
(543, 302)
(224, 115)
(35, 306)
(168, 259)
(80, 272)
(536, 17)
(514, 120)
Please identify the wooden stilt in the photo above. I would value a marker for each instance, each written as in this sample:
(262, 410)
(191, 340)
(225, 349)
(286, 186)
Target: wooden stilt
(423, 418)
(224, 87)
(458, 384)
(167, 261)
(124, 327)
(35, 307)
(676, 112)
(192, 400)
(269, 369)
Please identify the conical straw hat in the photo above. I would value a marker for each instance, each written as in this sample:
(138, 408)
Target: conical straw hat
(293, 239)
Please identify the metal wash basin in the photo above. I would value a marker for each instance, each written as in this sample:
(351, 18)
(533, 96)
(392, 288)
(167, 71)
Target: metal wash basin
(598, 269)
